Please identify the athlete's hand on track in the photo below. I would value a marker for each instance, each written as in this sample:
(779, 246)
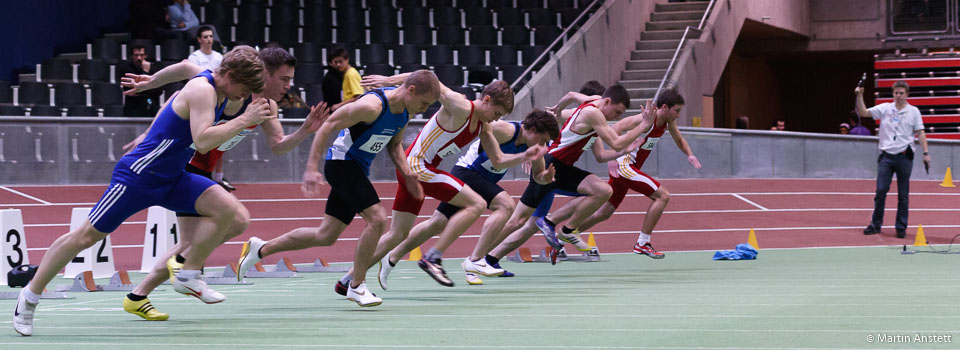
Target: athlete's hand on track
(546, 176)
(694, 161)
(257, 112)
(318, 115)
(133, 144)
(312, 181)
(375, 81)
(412, 183)
(135, 82)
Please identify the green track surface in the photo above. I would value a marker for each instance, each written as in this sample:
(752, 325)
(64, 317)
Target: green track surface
(787, 299)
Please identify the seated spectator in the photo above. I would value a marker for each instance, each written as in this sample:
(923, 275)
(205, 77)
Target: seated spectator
(147, 103)
(592, 88)
(291, 100)
(349, 79)
(858, 128)
(743, 122)
(844, 128)
(779, 125)
(205, 56)
(182, 16)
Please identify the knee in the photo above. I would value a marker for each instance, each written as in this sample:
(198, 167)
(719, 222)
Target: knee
(241, 218)
(664, 195)
(604, 191)
(86, 238)
(476, 204)
(378, 221)
(506, 208)
(324, 238)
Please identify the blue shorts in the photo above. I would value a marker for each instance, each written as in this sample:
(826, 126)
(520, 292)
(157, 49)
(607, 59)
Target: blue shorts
(129, 193)
(544, 208)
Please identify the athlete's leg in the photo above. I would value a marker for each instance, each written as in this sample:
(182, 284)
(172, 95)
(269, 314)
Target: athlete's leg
(376, 218)
(61, 252)
(227, 218)
(502, 206)
(597, 191)
(660, 200)
(471, 206)
(419, 235)
(519, 229)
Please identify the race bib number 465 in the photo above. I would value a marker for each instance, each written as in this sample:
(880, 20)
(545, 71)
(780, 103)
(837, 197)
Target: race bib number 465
(375, 144)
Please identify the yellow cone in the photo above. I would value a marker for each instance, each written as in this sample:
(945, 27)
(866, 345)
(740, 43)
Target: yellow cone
(415, 254)
(947, 179)
(921, 240)
(752, 240)
(591, 241)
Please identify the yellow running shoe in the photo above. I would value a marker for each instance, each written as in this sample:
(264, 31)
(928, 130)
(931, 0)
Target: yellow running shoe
(173, 267)
(473, 279)
(573, 238)
(143, 309)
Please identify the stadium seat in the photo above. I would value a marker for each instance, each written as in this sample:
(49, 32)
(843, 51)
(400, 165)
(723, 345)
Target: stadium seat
(93, 70)
(283, 32)
(409, 3)
(530, 4)
(69, 94)
(249, 33)
(449, 75)
(295, 113)
(33, 93)
(170, 89)
(56, 69)
(541, 17)
(82, 111)
(414, 16)
(106, 94)
(439, 54)
(6, 93)
(509, 17)
(285, 11)
(112, 110)
(447, 17)
(317, 20)
(378, 69)
(481, 74)
(471, 55)
(314, 94)
(530, 53)
(483, 35)
(252, 13)
(568, 15)
(545, 35)
(308, 52)
(107, 49)
(373, 54)
(417, 35)
(515, 35)
(467, 92)
(175, 50)
(351, 32)
(218, 11)
(470, 4)
(407, 54)
(410, 67)
(560, 4)
(505, 55)
(385, 34)
(498, 4)
(439, 3)
(450, 35)
(478, 17)
(45, 111)
(511, 73)
(383, 16)
(12, 110)
(309, 73)
(349, 12)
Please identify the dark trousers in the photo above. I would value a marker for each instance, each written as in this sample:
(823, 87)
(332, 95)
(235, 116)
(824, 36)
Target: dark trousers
(887, 165)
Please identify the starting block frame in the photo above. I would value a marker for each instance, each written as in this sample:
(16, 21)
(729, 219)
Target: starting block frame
(320, 265)
(228, 276)
(523, 255)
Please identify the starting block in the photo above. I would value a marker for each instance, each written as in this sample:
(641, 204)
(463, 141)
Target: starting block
(521, 256)
(228, 276)
(592, 255)
(258, 271)
(320, 265)
(83, 282)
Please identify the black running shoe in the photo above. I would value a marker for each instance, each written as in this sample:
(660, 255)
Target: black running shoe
(340, 288)
(435, 270)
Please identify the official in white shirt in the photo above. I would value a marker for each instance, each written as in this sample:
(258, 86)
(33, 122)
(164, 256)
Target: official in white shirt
(900, 123)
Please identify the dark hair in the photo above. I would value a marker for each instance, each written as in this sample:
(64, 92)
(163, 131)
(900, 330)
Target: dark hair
(138, 46)
(202, 29)
(617, 94)
(425, 81)
(901, 84)
(539, 121)
(274, 57)
(743, 122)
(670, 97)
(592, 88)
(500, 93)
(339, 51)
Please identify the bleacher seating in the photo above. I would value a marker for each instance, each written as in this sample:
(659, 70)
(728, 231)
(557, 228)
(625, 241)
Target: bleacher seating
(934, 81)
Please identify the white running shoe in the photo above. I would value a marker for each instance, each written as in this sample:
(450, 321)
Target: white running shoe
(249, 256)
(197, 288)
(480, 267)
(473, 279)
(385, 269)
(23, 316)
(362, 296)
(573, 238)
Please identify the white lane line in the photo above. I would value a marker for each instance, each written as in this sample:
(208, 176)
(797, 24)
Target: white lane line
(749, 202)
(22, 195)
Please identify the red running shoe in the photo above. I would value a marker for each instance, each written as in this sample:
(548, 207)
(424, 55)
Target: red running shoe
(647, 250)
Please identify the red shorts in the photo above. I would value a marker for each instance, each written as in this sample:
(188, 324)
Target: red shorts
(630, 179)
(436, 183)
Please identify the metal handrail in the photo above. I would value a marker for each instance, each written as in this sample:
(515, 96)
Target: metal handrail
(561, 38)
(676, 54)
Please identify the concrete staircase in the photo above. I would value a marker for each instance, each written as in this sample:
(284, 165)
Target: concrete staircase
(658, 42)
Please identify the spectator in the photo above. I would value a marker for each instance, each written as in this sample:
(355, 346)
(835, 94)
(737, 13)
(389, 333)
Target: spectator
(349, 88)
(858, 128)
(743, 122)
(205, 56)
(844, 128)
(147, 103)
(780, 125)
(899, 123)
(182, 16)
(592, 88)
(291, 100)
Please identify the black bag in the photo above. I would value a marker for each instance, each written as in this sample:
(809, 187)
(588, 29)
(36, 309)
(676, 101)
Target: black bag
(21, 275)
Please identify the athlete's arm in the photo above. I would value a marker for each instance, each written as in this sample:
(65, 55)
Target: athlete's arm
(570, 97)
(540, 175)
(399, 158)
(603, 155)
(594, 118)
(682, 144)
(280, 143)
(379, 81)
(497, 157)
(140, 82)
(197, 101)
(360, 111)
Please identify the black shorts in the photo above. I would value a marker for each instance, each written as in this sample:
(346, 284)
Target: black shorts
(567, 178)
(484, 187)
(192, 169)
(350, 190)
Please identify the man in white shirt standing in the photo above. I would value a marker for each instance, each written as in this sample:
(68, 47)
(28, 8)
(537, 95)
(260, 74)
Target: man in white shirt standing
(899, 122)
(205, 57)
